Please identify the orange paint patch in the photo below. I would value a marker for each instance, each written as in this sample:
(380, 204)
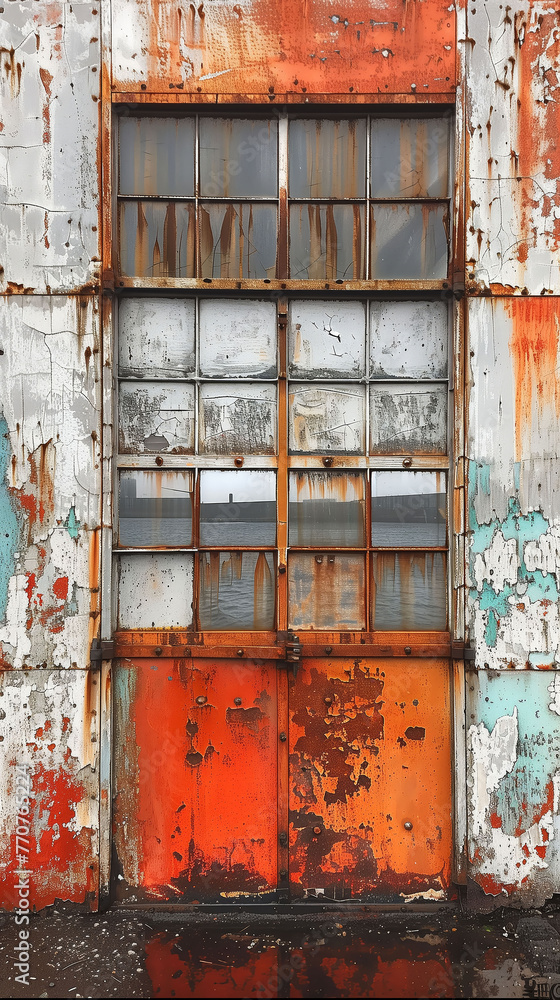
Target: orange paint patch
(60, 587)
(534, 350)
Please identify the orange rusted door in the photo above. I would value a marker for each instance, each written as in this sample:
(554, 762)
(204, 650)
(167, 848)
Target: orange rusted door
(370, 779)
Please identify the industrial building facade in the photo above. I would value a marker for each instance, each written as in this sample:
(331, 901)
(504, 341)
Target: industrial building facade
(279, 500)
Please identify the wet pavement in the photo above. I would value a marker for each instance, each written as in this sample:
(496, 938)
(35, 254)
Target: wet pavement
(352, 952)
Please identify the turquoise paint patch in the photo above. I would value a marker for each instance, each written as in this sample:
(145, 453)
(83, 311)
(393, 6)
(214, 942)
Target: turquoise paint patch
(523, 527)
(72, 524)
(541, 659)
(489, 599)
(9, 523)
(483, 478)
(541, 586)
(491, 630)
(523, 792)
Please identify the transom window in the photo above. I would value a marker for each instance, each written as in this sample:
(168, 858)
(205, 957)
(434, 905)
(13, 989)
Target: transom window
(342, 199)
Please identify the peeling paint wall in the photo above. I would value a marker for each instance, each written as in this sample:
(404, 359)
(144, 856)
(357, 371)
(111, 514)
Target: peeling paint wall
(50, 439)
(513, 388)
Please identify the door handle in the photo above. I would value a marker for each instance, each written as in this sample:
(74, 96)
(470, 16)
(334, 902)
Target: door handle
(293, 650)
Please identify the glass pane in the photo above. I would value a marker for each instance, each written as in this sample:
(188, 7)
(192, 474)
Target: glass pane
(409, 241)
(326, 508)
(410, 158)
(238, 337)
(156, 416)
(408, 418)
(237, 419)
(238, 158)
(237, 590)
(409, 591)
(327, 241)
(156, 337)
(237, 508)
(326, 591)
(238, 240)
(408, 509)
(155, 590)
(327, 159)
(327, 338)
(156, 156)
(156, 239)
(408, 339)
(327, 418)
(155, 508)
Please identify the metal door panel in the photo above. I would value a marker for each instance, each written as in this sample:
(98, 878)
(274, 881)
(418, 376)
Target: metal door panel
(195, 779)
(370, 746)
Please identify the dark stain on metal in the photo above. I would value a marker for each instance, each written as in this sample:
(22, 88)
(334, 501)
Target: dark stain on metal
(415, 733)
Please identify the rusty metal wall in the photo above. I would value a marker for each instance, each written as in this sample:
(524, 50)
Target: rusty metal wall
(50, 439)
(513, 238)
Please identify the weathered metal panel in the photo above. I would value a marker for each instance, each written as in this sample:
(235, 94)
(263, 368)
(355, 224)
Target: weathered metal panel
(195, 779)
(49, 722)
(513, 225)
(50, 480)
(255, 47)
(49, 146)
(514, 485)
(514, 785)
(370, 788)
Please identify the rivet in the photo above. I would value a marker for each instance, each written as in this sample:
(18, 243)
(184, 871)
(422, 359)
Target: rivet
(282, 737)
(283, 873)
(238, 461)
(408, 825)
(201, 700)
(317, 830)
(282, 568)
(240, 652)
(318, 559)
(407, 462)
(237, 701)
(327, 460)
(158, 650)
(159, 460)
(327, 699)
(328, 650)
(407, 650)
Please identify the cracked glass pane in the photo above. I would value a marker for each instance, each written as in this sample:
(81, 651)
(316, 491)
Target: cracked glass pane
(156, 239)
(326, 590)
(238, 337)
(237, 419)
(327, 241)
(410, 158)
(238, 240)
(237, 590)
(237, 508)
(156, 337)
(327, 159)
(327, 338)
(156, 416)
(409, 241)
(409, 591)
(408, 339)
(155, 508)
(156, 156)
(154, 590)
(408, 418)
(326, 508)
(327, 418)
(408, 509)
(238, 158)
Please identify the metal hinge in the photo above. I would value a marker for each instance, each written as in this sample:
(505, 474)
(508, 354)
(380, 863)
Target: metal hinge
(293, 651)
(102, 650)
